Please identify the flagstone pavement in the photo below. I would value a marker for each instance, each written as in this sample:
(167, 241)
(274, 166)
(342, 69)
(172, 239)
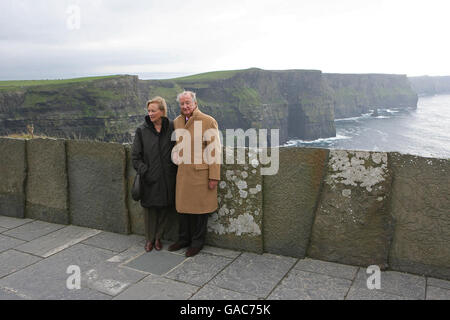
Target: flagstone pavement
(45, 261)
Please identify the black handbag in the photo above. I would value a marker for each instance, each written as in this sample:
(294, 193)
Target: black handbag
(136, 189)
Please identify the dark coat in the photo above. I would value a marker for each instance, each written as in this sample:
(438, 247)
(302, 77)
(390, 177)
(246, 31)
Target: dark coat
(151, 156)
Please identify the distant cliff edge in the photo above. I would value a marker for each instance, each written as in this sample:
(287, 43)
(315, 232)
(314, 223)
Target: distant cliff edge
(426, 85)
(303, 104)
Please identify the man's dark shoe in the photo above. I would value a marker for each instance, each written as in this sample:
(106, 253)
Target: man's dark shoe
(192, 251)
(177, 246)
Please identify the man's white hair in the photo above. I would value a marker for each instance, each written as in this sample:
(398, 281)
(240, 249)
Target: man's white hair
(191, 93)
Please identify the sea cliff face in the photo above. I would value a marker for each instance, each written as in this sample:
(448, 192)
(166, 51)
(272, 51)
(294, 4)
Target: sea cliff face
(427, 85)
(355, 94)
(300, 103)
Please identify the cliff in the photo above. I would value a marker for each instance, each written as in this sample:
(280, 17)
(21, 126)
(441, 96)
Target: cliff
(426, 85)
(298, 102)
(355, 94)
(301, 103)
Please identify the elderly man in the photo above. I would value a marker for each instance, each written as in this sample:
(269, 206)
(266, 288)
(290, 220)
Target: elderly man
(198, 172)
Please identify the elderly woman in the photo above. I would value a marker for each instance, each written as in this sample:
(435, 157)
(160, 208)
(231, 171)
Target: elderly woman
(151, 155)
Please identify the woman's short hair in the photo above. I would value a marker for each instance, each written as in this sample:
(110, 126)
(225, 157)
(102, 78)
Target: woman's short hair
(161, 104)
(191, 93)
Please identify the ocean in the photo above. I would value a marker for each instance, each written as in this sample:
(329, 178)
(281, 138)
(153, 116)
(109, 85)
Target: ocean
(424, 131)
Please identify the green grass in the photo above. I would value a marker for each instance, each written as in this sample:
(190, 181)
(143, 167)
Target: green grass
(214, 75)
(13, 84)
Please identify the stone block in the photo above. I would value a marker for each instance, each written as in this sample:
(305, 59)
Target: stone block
(13, 171)
(393, 282)
(254, 274)
(33, 230)
(7, 243)
(46, 188)
(421, 208)
(353, 224)
(328, 268)
(12, 261)
(199, 270)
(210, 292)
(108, 278)
(155, 262)
(158, 288)
(290, 199)
(57, 241)
(47, 279)
(97, 185)
(301, 285)
(366, 294)
(237, 224)
(434, 293)
(11, 223)
(113, 241)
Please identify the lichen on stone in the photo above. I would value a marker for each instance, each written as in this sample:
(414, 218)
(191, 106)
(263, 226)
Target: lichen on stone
(356, 168)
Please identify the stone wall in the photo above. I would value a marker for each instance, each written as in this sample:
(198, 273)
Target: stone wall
(352, 207)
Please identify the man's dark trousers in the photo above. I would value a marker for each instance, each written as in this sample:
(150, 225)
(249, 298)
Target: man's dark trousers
(193, 228)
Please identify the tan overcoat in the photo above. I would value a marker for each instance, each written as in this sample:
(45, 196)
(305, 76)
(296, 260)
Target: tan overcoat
(192, 193)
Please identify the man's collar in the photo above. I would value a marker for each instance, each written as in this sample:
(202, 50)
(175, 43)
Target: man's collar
(194, 113)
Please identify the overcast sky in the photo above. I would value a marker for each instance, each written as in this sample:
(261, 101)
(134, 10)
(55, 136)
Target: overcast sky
(47, 39)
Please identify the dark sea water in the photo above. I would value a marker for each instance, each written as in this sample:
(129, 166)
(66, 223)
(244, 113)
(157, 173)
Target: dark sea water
(424, 131)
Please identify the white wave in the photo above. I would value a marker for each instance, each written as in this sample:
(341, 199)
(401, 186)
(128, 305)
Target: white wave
(362, 116)
(338, 137)
(391, 110)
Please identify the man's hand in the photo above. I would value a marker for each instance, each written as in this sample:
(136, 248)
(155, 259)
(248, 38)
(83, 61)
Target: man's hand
(212, 184)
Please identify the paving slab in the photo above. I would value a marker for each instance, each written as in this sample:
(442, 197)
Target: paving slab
(128, 255)
(3, 229)
(221, 252)
(210, 292)
(47, 279)
(199, 269)
(9, 222)
(113, 241)
(7, 243)
(302, 285)
(109, 278)
(438, 283)
(156, 262)
(57, 241)
(33, 230)
(435, 293)
(374, 294)
(12, 261)
(156, 287)
(393, 282)
(9, 294)
(254, 274)
(328, 268)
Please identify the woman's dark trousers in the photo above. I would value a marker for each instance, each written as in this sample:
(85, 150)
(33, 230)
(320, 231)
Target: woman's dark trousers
(155, 220)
